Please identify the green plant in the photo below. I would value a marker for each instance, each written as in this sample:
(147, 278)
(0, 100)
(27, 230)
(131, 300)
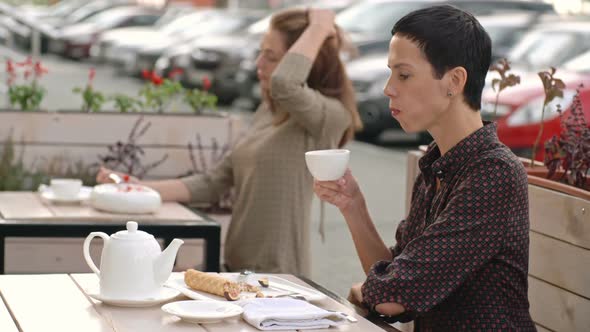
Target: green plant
(92, 99)
(28, 94)
(570, 151)
(126, 156)
(158, 92)
(553, 88)
(506, 80)
(199, 99)
(13, 174)
(125, 104)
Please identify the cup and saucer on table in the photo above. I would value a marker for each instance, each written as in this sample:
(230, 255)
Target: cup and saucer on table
(65, 191)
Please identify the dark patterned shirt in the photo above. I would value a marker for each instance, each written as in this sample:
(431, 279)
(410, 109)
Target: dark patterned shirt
(461, 258)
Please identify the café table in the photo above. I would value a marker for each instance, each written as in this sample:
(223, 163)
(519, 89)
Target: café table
(60, 302)
(26, 214)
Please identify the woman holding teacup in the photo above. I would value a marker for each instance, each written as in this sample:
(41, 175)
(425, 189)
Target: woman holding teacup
(308, 104)
(461, 258)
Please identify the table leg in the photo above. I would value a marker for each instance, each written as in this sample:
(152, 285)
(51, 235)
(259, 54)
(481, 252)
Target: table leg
(212, 250)
(1, 254)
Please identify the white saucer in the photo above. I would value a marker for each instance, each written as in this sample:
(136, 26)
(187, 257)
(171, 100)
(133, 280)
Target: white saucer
(49, 195)
(166, 294)
(203, 311)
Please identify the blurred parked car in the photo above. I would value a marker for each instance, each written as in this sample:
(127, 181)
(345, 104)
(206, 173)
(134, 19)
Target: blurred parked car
(76, 39)
(547, 45)
(551, 44)
(49, 27)
(222, 22)
(59, 9)
(370, 22)
(373, 35)
(507, 29)
(123, 53)
(519, 108)
(89, 9)
(133, 34)
(219, 57)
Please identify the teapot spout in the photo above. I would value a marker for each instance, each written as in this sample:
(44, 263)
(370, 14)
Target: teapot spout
(164, 263)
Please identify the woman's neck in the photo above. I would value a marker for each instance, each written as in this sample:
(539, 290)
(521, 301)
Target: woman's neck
(454, 126)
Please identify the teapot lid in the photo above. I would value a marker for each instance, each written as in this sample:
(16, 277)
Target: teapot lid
(132, 233)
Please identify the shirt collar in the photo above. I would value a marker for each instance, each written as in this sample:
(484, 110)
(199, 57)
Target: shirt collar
(465, 150)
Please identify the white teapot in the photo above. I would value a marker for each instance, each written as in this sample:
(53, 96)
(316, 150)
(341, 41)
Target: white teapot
(132, 265)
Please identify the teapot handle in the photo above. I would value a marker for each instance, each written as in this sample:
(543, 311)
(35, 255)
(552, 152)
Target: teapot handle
(87, 257)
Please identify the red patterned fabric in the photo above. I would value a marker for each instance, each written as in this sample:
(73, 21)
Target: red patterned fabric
(461, 258)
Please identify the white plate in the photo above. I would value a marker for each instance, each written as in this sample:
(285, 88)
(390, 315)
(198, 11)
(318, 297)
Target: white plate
(277, 286)
(166, 294)
(127, 198)
(203, 311)
(48, 194)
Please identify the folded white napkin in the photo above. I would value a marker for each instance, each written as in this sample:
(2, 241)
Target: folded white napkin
(288, 314)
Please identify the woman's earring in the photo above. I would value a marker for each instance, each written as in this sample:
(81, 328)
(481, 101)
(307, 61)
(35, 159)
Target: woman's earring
(449, 94)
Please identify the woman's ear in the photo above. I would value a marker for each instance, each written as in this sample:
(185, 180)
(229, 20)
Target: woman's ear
(457, 78)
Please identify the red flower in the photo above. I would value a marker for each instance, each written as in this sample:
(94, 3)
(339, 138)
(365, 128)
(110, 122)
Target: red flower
(146, 74)
(157, 80)
(91, 74)
(126, 177)
(39, 69)
(27, 62)
(206, 83)
(175, 72)
(9, 67)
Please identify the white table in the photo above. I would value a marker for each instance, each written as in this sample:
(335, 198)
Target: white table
(58, 302)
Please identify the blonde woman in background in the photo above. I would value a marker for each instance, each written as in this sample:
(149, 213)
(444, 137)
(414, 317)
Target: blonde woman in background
(308, 104)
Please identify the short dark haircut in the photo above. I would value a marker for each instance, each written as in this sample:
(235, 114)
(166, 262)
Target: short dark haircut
(449, 38)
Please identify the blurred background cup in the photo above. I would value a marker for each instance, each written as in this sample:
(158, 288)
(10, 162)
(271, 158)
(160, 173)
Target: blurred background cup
(65, 188)
(327, 165)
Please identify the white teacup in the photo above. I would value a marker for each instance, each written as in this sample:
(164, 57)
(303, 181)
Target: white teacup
(65, 188)
(327, 165)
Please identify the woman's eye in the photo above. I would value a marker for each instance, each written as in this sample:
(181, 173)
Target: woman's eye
(403, 77)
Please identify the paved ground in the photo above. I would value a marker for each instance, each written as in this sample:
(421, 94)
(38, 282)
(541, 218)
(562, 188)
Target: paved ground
(379, 170)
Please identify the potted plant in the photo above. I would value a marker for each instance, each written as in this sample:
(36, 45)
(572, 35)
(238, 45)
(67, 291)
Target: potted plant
(24, 90)
(506, 80)
(559, 207)
(92, 99)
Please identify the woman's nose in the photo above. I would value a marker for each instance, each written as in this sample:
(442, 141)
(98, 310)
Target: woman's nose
(389, 90)
(258, 62)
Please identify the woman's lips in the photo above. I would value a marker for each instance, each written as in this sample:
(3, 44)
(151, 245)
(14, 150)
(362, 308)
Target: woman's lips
(394, 112)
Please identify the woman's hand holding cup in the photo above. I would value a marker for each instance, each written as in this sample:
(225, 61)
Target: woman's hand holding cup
(341, 193)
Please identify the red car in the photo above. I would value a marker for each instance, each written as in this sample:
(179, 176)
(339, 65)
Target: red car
(520, 107)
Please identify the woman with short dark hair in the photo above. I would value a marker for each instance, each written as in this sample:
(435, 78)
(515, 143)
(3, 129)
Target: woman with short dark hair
(461, 258)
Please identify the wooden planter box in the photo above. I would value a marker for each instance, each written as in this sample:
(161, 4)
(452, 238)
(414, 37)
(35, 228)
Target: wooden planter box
(77, 136)
(559, 255)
